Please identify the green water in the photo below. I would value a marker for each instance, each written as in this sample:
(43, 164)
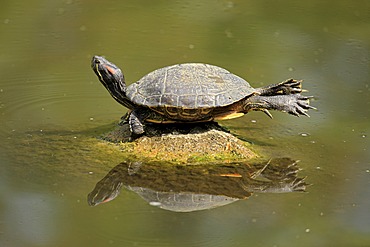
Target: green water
(52, 109)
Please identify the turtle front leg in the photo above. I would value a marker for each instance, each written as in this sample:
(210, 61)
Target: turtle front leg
(294, 104)
(136, 121)
(286, 87)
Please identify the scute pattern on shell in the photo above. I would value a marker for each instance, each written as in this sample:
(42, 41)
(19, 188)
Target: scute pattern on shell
(191, 86)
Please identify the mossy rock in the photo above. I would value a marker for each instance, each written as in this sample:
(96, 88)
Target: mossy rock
(200, 142)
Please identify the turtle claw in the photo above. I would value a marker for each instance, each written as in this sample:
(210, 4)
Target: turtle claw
(311, 107)
(267, 113)
(304, 113)
(295, 113)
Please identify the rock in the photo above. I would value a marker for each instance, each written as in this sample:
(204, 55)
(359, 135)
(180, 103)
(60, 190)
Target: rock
(183, 142)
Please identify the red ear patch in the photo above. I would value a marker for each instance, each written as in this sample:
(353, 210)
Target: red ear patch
(110, 69)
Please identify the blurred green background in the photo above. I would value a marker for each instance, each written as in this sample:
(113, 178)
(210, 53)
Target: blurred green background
(52, 107)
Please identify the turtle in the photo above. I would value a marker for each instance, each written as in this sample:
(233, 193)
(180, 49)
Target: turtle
(207, 185)
(195, 92)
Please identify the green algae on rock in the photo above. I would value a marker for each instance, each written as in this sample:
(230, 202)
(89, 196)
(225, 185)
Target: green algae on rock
(183, 143)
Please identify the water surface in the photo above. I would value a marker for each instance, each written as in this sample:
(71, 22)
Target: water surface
(53, 109)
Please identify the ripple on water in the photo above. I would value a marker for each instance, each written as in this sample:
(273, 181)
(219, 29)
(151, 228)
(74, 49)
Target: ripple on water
(30, 102)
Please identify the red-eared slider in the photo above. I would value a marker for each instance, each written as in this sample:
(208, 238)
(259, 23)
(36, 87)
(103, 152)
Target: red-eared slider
(189, 188)
(195, 92)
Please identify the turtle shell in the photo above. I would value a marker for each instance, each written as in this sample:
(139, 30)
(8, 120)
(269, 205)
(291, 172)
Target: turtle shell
(189, 86)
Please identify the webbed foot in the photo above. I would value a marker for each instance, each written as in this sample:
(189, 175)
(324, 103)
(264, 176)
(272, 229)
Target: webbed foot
(294, 104)
(290, 86)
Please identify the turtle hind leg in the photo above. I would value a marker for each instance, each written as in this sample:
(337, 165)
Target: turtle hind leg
(289, 86)
(294, 104)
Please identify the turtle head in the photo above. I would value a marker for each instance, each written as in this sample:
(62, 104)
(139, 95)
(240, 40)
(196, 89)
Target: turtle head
(112, 78)
(109, 75)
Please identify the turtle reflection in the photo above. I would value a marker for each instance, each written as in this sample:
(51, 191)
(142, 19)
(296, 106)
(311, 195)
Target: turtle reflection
(186, 188)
